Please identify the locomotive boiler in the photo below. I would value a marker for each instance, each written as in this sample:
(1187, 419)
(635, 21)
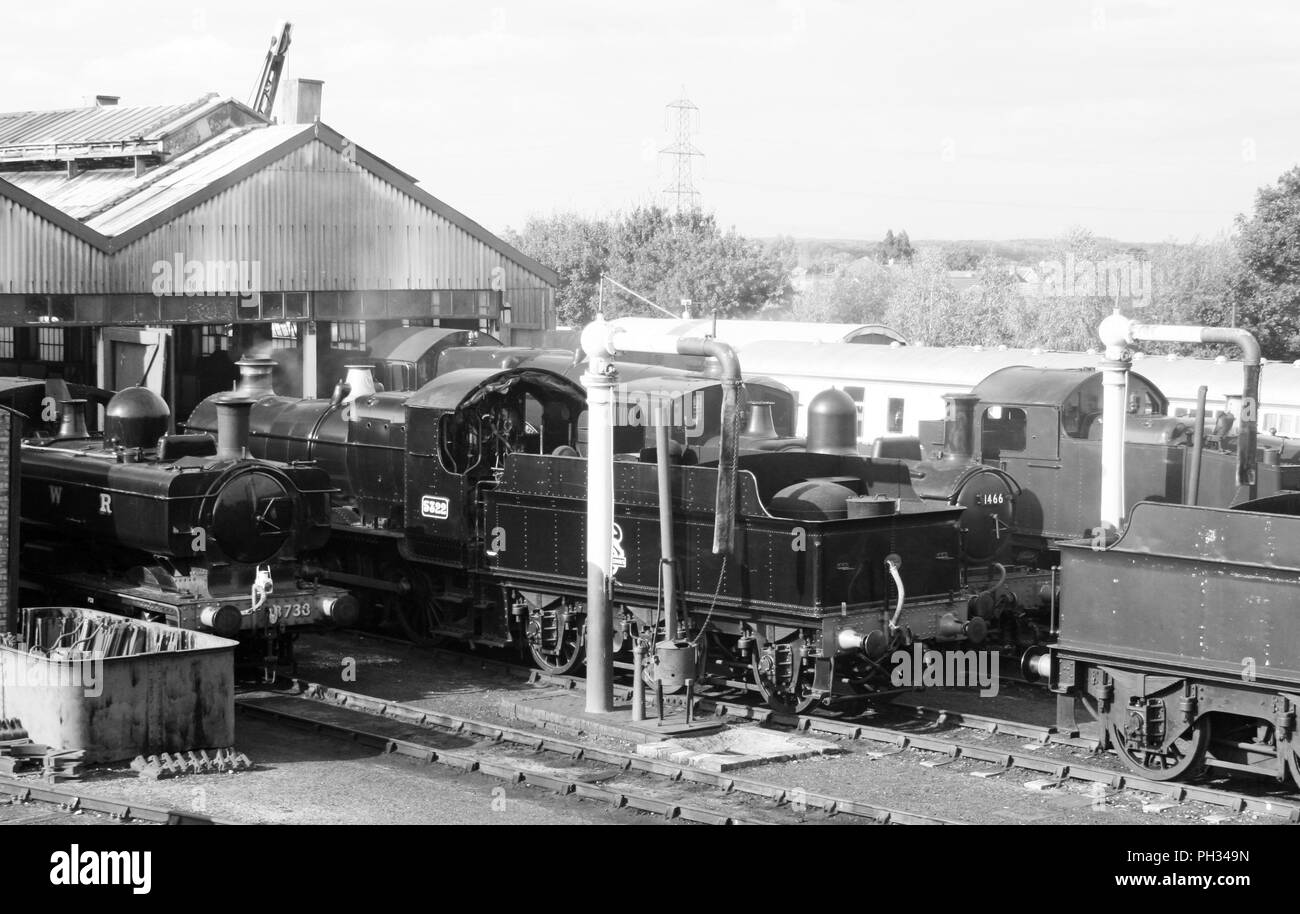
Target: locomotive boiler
(182, 529)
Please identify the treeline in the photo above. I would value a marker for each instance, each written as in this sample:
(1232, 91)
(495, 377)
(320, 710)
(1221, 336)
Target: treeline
(1050, 294)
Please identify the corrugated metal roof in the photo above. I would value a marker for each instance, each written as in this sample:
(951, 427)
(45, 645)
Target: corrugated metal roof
(79, 196)
(78, 126)
(192, 172)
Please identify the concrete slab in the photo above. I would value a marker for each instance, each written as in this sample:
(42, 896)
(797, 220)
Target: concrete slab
(565, 711)
(737, 747)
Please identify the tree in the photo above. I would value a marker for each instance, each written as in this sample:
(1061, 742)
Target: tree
(577, 248)
(664, 256)
(1264, 295)
(859, 293)
(903, 247)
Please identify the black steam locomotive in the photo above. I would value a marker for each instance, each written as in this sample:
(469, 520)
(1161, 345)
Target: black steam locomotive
(462, 508)
(181, 529)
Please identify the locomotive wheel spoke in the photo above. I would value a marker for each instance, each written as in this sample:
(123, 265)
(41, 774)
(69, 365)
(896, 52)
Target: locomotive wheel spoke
(1184, 755)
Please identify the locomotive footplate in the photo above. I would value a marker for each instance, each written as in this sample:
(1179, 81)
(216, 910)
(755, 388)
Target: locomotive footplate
(287, 604)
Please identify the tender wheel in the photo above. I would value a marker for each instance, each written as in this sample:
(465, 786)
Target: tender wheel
(1291, 751)
(1184, 755)
(555, 638)
(783, 677)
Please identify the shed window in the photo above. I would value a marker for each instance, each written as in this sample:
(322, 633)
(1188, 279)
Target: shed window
(49, 344)
(1004, 429)
(214, 338)
(284, 335)
(348, 335)
(895, 416)
(6, 342)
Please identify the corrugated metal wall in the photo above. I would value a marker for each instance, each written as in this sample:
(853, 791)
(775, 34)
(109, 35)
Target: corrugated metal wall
(36, 256)
(309, 221)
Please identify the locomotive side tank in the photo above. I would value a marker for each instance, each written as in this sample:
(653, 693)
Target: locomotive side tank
(183, 529)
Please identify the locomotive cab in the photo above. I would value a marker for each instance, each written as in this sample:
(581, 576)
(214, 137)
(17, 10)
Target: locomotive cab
(460, 430)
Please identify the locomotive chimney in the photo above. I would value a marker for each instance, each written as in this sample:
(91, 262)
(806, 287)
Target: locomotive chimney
(959, 426)
(233, 414)
(72, 424)
(760, 420)
(361, 380)
(255, 378)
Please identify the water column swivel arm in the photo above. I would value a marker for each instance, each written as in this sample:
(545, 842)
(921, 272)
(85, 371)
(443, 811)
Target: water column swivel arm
(1117, 332)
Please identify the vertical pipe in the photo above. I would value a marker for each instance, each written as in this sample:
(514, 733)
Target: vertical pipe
(1198, 447)
(310, 363)
(1114, 332)
(638, 680)
(667, 571)
(599, 379)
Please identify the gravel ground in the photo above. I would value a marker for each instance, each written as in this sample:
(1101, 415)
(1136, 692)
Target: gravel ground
(303, 777)
(405, 673)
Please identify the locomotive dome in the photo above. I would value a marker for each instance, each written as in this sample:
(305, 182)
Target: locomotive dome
(136, 417)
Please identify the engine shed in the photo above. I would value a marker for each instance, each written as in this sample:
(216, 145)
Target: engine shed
(165, 242)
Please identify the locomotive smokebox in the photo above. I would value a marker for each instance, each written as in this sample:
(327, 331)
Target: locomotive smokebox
(72, 424)
(232, 426)
(959, 426)
(832, 423)
(255, 378)
(136, 418)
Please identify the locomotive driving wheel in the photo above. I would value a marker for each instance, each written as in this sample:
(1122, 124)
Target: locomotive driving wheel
(784, 675)
(419, 614)
(1185, 754)
(555, 637)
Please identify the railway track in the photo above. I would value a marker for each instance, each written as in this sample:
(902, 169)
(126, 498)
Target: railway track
(568, 768)
(73, 800)
(943, 750)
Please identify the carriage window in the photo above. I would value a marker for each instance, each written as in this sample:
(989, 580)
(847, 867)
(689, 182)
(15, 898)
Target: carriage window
(895, 417)
(6, 342)
(859, 394)
(1004, 429)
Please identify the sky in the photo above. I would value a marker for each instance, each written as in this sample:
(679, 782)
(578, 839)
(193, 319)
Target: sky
(1142, 120)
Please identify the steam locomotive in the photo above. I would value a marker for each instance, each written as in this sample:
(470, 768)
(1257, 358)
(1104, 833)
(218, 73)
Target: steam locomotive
(183, 529)
(461, 510)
